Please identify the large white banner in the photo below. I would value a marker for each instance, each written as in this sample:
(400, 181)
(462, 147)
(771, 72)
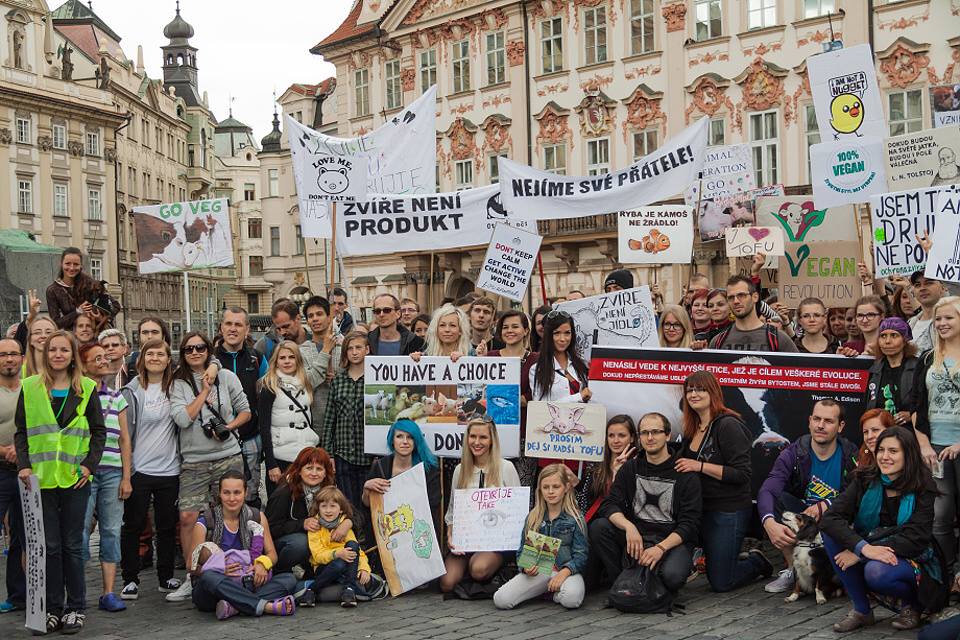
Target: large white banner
(623, 318)
(943, 263)
(508, 264)
(441, 396)
(489, 519)
(655, 235)
(534, 194)
(406, 537)
(727, 171)
(36, 548)
(845, 93)
(389, 223)
(182, 236)
(401, 159)
(847, 171)
(897, 219)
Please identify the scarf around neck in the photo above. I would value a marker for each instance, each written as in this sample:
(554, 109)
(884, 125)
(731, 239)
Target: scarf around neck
(868, 515)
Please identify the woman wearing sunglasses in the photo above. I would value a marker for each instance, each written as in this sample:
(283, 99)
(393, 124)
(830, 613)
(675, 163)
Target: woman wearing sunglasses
(208, 416)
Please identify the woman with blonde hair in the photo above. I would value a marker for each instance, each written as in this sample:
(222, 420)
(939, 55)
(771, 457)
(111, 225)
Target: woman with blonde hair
(448, 333)
(480, 467)
(40, 331)
(675, 330)
(284, 410)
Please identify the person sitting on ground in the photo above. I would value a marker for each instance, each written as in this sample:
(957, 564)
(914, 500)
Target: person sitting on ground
(873, 422)
(749, 332)
(554, 514)
(805, 478)
(636, 521)
(622, 444)
(408, 448)
(878, 532)
(240, 588)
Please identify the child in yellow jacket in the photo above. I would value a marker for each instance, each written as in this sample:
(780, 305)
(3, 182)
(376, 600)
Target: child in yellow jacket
(341, 562)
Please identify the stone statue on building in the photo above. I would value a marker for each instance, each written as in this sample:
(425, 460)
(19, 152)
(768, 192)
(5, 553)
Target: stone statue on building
(66, 73)
(103, 74)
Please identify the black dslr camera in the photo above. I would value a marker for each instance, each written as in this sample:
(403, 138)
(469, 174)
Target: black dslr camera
(215, 427)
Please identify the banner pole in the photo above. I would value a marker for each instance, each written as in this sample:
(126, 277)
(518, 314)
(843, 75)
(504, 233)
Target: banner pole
(443, 510)
(543, 284)
(306, 263)
(186, 299)
(333, 245)
(430, 290)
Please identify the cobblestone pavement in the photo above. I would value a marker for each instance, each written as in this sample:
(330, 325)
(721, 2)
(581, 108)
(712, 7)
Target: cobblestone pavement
(747, 614)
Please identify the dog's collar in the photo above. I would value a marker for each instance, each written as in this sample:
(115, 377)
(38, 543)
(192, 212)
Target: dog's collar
(808, 545)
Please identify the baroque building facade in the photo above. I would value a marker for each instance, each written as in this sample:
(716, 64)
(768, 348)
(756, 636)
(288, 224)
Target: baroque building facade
(585, 86)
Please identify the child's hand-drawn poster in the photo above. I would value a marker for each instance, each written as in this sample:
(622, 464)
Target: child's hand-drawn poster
(406, 537)
(491, 519)
(565, 430)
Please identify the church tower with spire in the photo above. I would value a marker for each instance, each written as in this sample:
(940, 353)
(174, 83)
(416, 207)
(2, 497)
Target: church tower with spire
(180, 60)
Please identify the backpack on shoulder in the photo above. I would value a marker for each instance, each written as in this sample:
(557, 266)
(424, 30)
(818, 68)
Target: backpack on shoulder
(640, 590)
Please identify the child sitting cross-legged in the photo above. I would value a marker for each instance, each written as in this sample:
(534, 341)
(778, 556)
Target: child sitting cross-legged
(341, 562)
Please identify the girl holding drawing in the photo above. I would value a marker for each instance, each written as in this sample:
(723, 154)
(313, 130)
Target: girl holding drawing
(555, 514)
(480, 467)
(407, 449)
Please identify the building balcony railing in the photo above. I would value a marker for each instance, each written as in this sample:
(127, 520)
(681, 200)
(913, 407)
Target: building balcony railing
(604, 223)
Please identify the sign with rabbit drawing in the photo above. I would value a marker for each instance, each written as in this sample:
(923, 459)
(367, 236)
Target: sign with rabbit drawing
(565, 430)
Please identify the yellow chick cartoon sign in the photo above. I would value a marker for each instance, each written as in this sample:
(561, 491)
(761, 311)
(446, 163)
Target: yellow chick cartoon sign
(845, 94)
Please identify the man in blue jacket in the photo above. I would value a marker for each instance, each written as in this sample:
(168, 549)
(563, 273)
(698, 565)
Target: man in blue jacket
(806, 477)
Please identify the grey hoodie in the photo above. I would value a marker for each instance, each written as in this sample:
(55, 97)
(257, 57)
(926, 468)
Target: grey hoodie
(227, 397)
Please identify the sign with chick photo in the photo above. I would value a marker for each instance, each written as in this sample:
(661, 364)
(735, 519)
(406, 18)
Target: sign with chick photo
(845, 94)
(656, 235)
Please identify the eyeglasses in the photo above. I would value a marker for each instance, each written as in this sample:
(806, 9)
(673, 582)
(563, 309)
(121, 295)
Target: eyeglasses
(191, 348)
(407, 310)
(97, 360)
(557, 313)
(676, 326)
(868, 316)
(10, 354)
(379, 311)
(690, 390)
(738, 296)
(649, 433)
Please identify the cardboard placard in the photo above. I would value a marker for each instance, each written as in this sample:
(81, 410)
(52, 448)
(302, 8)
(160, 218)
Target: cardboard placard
(847, 171)
(509, 262)
(825, 270)
(749, 241)
(565, 430)
(656, 235)
(727, 170)
(897, 219)
(928, 158)
(945, 105)
(36, 549)
(183, 236)
(846, 95)
(943, 262)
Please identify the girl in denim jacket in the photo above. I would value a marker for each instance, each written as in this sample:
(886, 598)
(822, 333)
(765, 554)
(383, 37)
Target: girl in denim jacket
(554, 514)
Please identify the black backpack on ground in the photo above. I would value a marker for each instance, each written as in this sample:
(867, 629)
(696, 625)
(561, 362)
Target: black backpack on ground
(640, 590)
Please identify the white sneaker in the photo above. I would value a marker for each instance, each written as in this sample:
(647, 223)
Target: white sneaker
(131, 591)
(183, 593)
(784, 582)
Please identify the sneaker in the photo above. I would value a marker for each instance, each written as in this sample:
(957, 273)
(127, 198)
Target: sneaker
(766, 568)
(130, 591)
(784, 582)
(225, 610)
(307, 599)
(53, 623)
(110, 602)
(183, 593)
(170, 585)
(72, 623)
(348, 598)
(7, 606)
(377, 588)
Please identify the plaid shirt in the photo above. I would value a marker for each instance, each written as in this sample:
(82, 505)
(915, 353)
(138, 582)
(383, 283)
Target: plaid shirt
(343, 420)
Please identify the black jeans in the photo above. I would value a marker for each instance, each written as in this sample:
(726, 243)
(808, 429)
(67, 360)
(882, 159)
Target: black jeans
(10, 505)
(162, 491)
(609, 543)
(63, 513)
(350, 478)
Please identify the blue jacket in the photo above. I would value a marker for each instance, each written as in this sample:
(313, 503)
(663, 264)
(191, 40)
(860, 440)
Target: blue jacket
(573, 542)
(791, 473)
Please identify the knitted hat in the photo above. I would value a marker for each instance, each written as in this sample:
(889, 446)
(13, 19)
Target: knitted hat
(897, 324)
(621, 277)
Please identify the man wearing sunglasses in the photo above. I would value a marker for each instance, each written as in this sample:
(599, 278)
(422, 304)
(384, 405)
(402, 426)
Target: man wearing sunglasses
(11, 360)
(391, 338)
(652, 512)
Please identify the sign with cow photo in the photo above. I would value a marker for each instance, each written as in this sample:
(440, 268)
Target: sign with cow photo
(183, 236)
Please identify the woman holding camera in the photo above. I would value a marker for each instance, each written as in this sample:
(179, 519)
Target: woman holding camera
(74, 294)
(208, 416)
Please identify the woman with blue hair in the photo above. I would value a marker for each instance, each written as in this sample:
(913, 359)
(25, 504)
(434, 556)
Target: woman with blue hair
(408, 448)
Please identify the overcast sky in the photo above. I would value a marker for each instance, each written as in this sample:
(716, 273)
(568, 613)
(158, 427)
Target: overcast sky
(246, 49)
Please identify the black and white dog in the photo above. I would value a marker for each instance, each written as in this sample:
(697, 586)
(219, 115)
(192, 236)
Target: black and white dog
(811, 566)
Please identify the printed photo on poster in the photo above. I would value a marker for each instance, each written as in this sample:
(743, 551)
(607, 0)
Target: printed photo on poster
(846, 95)
(943, 262)
(565, 430)
(183, 236)
(749, 241)
(624, 318)
(441, 396)
(928, 158)
(491, 519)
(655, 235)
(897, 219)
(945, 105)
(825, 270)
(727, 170)
(406, 536)
(848, 171)
(508, 265)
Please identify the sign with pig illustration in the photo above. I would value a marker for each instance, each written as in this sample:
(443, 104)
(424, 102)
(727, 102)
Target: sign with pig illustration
(656, 235)
(183, 236)
(565, 430)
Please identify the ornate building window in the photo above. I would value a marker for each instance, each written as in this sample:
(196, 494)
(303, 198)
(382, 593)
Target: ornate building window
(59, 136)
(256, 266)
(24, 130)
(761, 14)
(598, 156)
(93, 143)
(709, 23)
(273, 180)
(644, 142)
(254, 228)
(361, 92)
(24, 195)
(274, 241)
(391, 77)
(463, 174)
(428, 69)
(815, 8)
(249, 192)
(716, 132)
(461, 66)
(764, 141)
(494, 164)
(906, 111)
(60, 200)
(641, 26)
(551, 44)
(555, 159)
(96, 269)
(300, 248)
(810, 131)
(94, 208)
(132, 182)
(595, 32)
(496, 58)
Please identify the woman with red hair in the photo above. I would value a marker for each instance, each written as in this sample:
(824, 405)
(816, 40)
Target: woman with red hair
(872, 423)
(288, 508)
(716, 446)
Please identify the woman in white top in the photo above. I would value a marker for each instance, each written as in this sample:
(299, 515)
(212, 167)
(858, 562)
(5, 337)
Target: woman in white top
(480, 466)
(560, 374)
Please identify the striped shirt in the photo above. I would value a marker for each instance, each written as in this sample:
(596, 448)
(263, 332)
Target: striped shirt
(112, 403)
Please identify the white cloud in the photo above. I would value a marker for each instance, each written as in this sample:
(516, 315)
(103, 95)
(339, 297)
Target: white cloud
(246, 49)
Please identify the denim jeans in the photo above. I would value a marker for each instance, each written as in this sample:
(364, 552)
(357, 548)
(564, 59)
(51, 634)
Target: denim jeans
(161, 491)
(872, 576)
(292, 549)
(105, 499)
(213, 587)
(63, 510)
(251, 450)
(339, 571)
(722, 533)
(10, 505)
